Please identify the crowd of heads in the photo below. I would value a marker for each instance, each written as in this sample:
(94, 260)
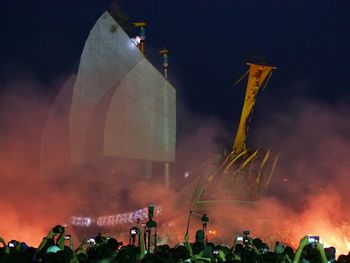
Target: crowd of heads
(58, 246)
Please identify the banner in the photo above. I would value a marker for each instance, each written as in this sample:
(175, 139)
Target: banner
(113, 220)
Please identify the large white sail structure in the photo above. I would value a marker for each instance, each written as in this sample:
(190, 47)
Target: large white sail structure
(122, 107)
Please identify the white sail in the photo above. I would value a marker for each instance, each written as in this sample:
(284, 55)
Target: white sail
(140, 121)
(121, 106)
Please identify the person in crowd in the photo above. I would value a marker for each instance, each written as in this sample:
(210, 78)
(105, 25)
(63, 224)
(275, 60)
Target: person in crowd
(307, 252)
(58, 247)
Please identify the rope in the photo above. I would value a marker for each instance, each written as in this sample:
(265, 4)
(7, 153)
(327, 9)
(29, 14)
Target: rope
(267, 80)
(245, 74)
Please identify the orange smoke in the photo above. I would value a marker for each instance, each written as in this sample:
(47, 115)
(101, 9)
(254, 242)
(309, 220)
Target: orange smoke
(309, 194)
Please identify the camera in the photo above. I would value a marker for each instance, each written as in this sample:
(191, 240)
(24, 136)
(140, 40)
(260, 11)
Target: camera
(150, 212)
(151, 223)
(216, 252)
(205, 218)
(245, 237)
(246, 233)
(57, 229)
(67, 237)
(133, 232)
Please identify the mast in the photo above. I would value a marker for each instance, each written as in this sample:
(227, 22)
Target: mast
(164, 52)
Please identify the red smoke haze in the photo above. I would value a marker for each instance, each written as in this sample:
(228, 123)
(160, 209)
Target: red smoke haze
(308, 196)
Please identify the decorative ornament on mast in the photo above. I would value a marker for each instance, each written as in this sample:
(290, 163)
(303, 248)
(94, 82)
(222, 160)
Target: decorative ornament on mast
(142, 35)
(165, 52)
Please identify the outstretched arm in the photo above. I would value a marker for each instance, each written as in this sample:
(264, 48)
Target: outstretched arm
(234, 242)
(320, 248)
(188, 245)
(142, 243)
(254, 247)
(80, 248)
(70, 239)
(303, 243)
(60, 238)
(43, 243)
(6, 248)
(222, 256)
(2, 241)
(51, 234)
(71, 243)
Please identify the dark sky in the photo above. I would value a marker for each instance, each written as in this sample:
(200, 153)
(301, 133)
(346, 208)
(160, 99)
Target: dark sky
(209, 42)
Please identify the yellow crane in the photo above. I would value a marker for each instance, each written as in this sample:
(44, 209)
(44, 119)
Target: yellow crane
(245, 172)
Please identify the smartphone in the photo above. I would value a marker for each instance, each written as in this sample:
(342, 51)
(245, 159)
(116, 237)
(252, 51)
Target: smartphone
(240, 238)
(91, 241)
(11, 244)
(57, 229)
(245, 240)
(314, 239)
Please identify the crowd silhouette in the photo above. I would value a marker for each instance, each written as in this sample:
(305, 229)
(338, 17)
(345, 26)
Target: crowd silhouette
(58, 246)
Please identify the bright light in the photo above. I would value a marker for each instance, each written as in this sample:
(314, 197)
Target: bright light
(187, 174)
(136, 40)
(212, 232)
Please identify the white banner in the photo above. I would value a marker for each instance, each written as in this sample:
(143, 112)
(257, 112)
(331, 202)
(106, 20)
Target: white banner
(116, 219)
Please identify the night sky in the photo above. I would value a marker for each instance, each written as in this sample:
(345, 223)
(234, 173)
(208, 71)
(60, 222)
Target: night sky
(209, 43)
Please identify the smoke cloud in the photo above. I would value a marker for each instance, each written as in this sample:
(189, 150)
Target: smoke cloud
(28, 205)
(308, 194)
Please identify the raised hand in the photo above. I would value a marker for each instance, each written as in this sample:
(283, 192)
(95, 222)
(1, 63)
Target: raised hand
(304, 242)
(279, 248)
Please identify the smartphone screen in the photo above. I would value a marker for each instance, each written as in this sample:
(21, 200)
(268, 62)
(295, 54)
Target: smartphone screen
(313, 239)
